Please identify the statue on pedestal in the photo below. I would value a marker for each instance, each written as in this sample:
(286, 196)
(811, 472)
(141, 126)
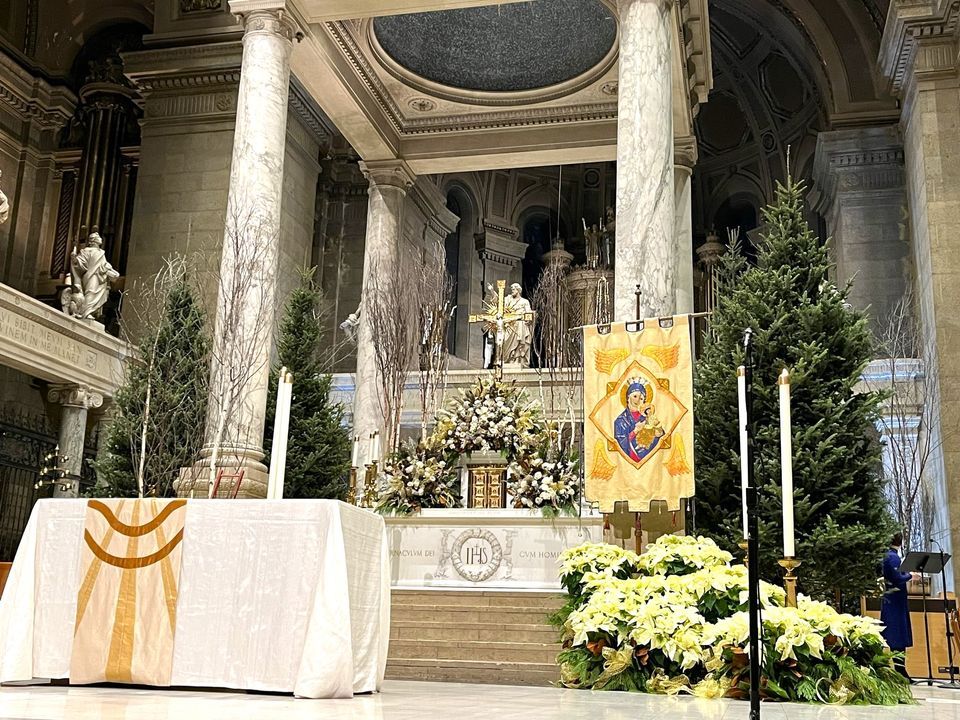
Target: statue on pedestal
(89, 280)
(4, 206)
(517, 328)
(591, 236)
(508, 322)
(351, 326)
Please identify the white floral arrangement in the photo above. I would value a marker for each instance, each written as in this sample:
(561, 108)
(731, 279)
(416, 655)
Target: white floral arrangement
(414, 478)
(674, 619)
(489, 416)
(548, 480)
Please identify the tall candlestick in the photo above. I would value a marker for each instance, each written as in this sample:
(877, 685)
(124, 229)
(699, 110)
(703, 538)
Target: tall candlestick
(786, 464)
(742, 411)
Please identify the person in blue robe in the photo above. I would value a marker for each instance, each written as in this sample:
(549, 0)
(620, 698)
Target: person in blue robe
(636, 429)
(894, 609)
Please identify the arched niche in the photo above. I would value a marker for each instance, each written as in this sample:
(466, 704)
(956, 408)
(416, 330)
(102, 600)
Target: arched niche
(462, 267)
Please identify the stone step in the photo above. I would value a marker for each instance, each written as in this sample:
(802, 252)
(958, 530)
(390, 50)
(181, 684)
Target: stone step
(503, 615)
(502, 652)
(469, 671)
(548, 601)
(525, 632)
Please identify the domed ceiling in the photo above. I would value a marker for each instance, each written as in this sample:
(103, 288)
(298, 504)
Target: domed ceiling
(501, 48)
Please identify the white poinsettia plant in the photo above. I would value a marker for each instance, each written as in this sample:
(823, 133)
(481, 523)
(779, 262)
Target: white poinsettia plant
(674, 619)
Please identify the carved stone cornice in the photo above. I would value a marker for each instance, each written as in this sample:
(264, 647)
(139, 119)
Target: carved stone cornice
(192, 83)
(343, 35)
(920, 39)
(304, 107)
(77, 396)
(694, 33)
(866, 160)
(33, 99)
(508, 231)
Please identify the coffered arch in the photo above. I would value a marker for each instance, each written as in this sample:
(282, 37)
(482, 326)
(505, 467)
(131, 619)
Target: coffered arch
(784, 71)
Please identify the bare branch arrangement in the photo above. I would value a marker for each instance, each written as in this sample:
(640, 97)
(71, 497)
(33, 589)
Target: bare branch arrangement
(392, 315)
(912, 427)
(435, 304)
(558, 348)
(241, 350)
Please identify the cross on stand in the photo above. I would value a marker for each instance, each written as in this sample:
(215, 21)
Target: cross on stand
(495, 319)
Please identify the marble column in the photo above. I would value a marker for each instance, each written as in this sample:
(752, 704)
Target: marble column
(250, 254)
(389, 183)
(646, 210)
(75, 401)
(685, 157)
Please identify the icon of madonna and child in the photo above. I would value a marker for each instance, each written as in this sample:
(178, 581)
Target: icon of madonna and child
(637, 430)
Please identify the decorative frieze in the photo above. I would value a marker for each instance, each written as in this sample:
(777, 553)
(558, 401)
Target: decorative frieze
(32, 99)
(863, 160)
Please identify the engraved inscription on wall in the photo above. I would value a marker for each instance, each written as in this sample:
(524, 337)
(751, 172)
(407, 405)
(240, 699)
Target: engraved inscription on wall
(40, 341)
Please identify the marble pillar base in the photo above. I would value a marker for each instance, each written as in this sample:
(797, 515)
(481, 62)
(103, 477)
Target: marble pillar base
(194, 481)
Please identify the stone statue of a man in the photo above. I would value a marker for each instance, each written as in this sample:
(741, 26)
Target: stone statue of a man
(518, 328)
(91, 276)
(4, 206)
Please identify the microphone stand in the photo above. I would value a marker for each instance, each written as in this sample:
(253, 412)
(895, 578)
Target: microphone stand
(753, 538)
(952, 684)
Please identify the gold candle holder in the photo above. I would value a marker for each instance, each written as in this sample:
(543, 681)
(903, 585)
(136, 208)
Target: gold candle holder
(370, 497)
(743, 545)
(352, 489)
(790, 579)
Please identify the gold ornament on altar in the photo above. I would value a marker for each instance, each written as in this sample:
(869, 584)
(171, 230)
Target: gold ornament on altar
(509, 319)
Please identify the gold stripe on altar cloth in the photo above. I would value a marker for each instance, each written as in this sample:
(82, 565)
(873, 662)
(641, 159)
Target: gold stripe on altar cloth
(127, 602)
(638, 400)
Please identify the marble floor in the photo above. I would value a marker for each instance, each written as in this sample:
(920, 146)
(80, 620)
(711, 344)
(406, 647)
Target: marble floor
(402, 700)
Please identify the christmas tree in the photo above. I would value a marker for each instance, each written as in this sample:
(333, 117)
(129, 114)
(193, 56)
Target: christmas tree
(318, 450)
(159, 411)
(803, 322)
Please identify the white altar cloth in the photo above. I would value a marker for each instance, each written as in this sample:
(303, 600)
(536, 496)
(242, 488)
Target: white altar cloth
(275, 595)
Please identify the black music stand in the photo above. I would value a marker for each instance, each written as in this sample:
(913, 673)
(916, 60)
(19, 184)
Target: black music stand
(928, 564)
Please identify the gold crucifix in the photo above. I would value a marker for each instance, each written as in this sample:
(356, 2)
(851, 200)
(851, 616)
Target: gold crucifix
(495, 319)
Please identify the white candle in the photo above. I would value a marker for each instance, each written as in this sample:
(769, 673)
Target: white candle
(281, 427)
(356, 451)
(742, 408)
(786, 465)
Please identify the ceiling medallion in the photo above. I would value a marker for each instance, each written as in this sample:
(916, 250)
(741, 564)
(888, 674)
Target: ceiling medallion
(421, 104)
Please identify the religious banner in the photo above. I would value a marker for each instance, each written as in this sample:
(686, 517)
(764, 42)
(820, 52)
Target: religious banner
(638, 399)
(127, 602)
